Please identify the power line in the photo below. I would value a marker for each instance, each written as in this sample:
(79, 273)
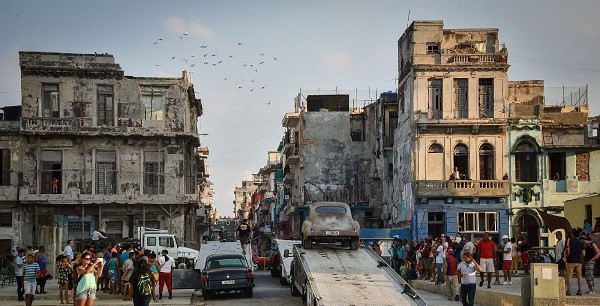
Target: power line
(556, 65)
(260, 138)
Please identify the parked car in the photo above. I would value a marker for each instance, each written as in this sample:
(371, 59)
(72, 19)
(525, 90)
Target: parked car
(226, 273)
(330, 222)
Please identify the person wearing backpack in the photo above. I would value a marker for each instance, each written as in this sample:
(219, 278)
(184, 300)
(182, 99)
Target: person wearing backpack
(142, 282)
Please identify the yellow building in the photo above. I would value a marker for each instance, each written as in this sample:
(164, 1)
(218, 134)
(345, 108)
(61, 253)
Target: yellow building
(579, 210)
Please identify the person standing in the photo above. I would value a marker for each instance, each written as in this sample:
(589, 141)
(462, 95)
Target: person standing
(574, 253)
(439, 262)
(30, 271)
(68, 251)
(487, 252)
(468, 246)
(451, 277)
(19, 262)
(592, 253)
(87, 273)
(143, 283)
(41, 258)
(507, 260)
(524, 251)
(559, 248)
(64, 269)
(167, 264)
(243, 234)
(467, 276)
(127, 271)
(515, 256)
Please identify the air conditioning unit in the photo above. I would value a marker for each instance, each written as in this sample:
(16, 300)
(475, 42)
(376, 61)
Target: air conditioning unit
(475, 200)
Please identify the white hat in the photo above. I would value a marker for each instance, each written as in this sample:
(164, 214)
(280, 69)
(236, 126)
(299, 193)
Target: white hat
(396, 237)
(505, 237)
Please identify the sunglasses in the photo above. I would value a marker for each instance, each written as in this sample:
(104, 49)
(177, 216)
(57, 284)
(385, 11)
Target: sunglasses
(87, 258)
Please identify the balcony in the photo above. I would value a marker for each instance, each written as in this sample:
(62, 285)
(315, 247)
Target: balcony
(466, 188)
(477, 58)
(388, 141)
(288, 178)
(290, 120)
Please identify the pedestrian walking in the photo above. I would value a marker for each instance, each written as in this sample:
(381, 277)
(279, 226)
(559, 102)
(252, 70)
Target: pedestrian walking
(87, 273)
(142, 282)
(30, 271)
(167, 264)
(467, 276)
(243, 234)
(41, 258)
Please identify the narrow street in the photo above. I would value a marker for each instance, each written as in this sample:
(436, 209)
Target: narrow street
(268, 291)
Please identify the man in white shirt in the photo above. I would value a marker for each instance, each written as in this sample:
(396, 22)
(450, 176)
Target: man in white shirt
(97, 235)
(69, 250)
(468, 247)
(467, 277)
(506, 260)
(439, 263)
(167, 264)
(558, 250)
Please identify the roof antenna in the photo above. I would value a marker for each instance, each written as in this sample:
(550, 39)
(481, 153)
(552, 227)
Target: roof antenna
(408, 18)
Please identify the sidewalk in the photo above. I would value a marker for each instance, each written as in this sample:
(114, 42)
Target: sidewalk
(8, 297)
(511, 294)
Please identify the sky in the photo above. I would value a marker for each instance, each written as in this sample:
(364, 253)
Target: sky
(249, 59)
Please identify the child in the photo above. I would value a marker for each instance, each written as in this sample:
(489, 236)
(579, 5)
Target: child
(64, 268)
(403, 270)
(30, 271)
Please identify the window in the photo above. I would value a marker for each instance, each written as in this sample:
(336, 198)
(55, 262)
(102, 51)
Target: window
(486, 98)
(436, 148)
(154, 103)
(558, 164)
(435, 224)
(433, 48)
(526, 164)
(461, 160)
(151, 241)
(51, 181)
(5, 167)
(6, 219)
(166, 241)
(486, 162)
(78, 229)
(149, 223)
(435, 98)
(106, 107)
(434, 164)
(106, 172)
(154, 167)
(477, 222)
(390, 171)
(461, 90)
(50, 101)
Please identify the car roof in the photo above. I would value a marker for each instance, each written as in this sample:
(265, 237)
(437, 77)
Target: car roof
(224, 256)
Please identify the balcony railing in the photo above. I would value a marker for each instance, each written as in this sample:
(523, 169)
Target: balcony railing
(462, 188)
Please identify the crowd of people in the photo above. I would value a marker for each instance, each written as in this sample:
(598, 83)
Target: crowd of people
(456, 263)
(115, 269)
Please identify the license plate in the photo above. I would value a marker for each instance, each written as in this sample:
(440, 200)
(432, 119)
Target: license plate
(228, 282)
(332, 233)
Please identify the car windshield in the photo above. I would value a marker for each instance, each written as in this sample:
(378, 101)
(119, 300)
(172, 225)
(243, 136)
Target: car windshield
(336, 210)
(225, 263)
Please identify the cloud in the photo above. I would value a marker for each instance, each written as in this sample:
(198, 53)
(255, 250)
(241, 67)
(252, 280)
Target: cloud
(336, 61)
(194, 28)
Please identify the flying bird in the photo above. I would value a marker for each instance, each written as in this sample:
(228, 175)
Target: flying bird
(230, 56)
(261, 63)
(239, 44)
(186, 33)
(262, 54)
(274, 58)
(205, 46)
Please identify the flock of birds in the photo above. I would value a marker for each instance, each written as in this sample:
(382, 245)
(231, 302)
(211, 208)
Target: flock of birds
(208, 58)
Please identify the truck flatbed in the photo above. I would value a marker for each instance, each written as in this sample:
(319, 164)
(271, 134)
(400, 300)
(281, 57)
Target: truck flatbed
(335, 276)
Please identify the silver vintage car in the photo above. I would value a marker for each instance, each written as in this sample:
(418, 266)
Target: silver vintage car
(330, 222)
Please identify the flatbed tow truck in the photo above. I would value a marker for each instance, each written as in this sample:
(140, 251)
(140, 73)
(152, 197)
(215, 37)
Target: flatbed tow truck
(329, 275)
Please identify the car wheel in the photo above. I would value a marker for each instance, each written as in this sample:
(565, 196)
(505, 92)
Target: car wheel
(248, 292)
(295, 291)
(307, 243)
(206, 294)
(283, 281)
(354, 244)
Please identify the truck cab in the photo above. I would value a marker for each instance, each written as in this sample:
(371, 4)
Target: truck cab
(158, 240)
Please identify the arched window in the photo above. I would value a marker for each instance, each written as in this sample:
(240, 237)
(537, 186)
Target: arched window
(436, 148)
(461, 160)
(526, 164)
(486, 162)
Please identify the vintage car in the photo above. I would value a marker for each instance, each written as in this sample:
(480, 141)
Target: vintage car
(330, 222)
(226, 273)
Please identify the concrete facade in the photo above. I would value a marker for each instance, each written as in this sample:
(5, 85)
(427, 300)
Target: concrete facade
(453, 100)
(102, 150)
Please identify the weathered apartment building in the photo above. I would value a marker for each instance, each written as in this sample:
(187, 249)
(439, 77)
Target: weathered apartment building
(325, 158)
(453, 111)
(552, 157)
(96, 149)
(244, 198)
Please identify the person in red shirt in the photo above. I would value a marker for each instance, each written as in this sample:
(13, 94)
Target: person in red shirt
(487, 252)
(451, 277)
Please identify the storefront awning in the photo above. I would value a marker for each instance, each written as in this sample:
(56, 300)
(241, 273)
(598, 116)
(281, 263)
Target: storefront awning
(553, 222)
